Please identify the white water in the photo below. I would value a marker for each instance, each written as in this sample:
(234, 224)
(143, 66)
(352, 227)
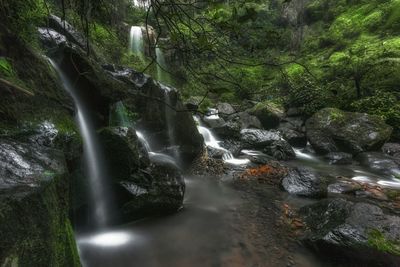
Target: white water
(211, 141)
(141, 3)
(94, 161)
(136, 43)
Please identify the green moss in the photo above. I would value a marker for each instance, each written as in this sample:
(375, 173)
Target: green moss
(378, 241)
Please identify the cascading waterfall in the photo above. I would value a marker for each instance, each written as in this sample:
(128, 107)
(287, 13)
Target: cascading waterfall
(136, 43)
(100, 198)
(124, 121)
(211, 141)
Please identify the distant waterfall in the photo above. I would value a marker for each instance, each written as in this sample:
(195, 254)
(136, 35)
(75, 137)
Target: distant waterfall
(136, 42)
(141, 3)
(97, 174)
(162, 68)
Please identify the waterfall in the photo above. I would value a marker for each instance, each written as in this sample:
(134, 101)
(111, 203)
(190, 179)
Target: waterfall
(136, 43)
(211, 141)
(162, 68)
(170, 122)
(141, 3)
(153, 155)
(94, 162)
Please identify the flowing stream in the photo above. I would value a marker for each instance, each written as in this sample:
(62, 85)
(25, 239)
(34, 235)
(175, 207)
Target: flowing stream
(100, 197)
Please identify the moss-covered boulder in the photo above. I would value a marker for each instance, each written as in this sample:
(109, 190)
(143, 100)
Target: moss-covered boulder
(269, 114)
(34, 225)
(352, 233)
(332, 130)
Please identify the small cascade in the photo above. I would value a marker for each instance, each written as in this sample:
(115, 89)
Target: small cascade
(136, 43)
(124, 121)
(211, 141)
(100, 197)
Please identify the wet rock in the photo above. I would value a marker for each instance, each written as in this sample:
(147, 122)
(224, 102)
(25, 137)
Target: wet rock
(156, 190)
(253, 138)
(379, 162)
(269, 114)
(392, 149)
(280, 150)
(339, 158)
(229, 130)
(66, 29)
(353, 232)
(245, 120)
(294, 138)
(293, 112)
(225, 109)
(34, 198)
(344, 187)
(50, 38)
(121, 147)
(214, 121)
(215, 153)
(303, 181)
(233, 146)
(332, 130)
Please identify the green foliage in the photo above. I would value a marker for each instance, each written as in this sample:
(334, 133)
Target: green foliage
(378, 241)
(6, 68)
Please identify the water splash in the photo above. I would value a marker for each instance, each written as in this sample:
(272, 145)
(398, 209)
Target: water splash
(100, 197)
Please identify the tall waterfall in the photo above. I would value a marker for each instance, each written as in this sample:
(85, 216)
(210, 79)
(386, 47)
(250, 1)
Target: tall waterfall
(94, 162)
(136, 43)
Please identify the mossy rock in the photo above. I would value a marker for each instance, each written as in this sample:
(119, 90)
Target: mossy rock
(269, 114)
(332, 130)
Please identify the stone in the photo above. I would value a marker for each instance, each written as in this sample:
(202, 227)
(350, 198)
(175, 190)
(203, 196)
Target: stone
(333, 130)
(245, 120)
(253, 138)
(392, 149)
(225, 109)
(380, 163)
(269, 114)
(280, 150)
(355, 233)
(304, 182)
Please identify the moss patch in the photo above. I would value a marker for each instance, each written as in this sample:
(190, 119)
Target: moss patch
(378, 241)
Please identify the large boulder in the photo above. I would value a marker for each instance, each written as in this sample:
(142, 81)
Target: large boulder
(245, 120)
(146, 185)
(253, 138)
(66, 29)
(225, 109)
(156, 190)
(34, 225)
(304, 182)
(392, 149)
(230, 130)
(332, 130)
(354, 233)
(269, 114)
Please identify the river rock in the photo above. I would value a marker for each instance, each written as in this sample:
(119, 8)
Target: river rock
(303, 181)
(269, 114)
(332, 130)
(50, 38)
(339, 158)
(380, 162)
(233, 145)
(355, 233)
(280, 150)
(215, 153)
(245, 120)
(296, 139)
(253, 138)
